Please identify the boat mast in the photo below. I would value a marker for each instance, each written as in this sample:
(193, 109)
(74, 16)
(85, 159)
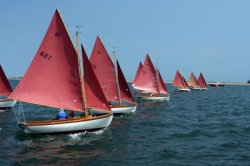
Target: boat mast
(80, 70)
(116, 76)
(157, 78)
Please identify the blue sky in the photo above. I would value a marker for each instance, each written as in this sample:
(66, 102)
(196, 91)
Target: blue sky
(208, 36)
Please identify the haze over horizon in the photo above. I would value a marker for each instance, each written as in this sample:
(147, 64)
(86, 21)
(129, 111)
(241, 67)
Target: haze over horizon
(212, 37)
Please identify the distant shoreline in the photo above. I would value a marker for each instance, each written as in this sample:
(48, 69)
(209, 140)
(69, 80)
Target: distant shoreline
(170, 82)
(212, 82)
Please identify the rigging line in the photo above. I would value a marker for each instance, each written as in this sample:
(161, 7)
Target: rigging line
(21, 108)
(14, 111)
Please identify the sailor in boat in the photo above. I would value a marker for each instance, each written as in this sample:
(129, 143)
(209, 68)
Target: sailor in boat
(71, 115)
(61, 115)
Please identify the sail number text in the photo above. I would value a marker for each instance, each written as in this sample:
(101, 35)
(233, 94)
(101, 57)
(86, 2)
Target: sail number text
(45, 55)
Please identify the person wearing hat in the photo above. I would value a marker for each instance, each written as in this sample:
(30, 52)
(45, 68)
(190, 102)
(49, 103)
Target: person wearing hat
(61, 115)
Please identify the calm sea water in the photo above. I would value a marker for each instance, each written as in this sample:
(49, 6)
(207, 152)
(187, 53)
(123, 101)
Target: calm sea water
(209, 127)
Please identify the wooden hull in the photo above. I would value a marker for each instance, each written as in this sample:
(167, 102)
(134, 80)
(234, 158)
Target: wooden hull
(6, 104)
(155, 98)
(67, 126)
(121, 109)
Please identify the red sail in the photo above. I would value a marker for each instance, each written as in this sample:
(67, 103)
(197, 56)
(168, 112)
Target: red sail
(52, 79)
(185, 82)
(147, 80)
(95, 97)
(5, 88)
(137, 74)
(193, 81)
(162, 85)
(202, 81)
(126, 94)
(104, 71)
(179, 81)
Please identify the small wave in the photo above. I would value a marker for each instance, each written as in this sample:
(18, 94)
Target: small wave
(247, 127)
(99, 132)
(26, 143)
(47, 139)
(76, 136)
(84, 138)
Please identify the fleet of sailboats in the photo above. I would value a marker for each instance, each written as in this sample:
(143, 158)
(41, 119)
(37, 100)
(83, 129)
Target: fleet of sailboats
(96, 88)
(193, 83)
(5, 91)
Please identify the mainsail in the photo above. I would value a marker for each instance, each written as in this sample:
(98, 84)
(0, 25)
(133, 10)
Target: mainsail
(147, 79)
(179, 81)
(202, 81)
(95, 97)
(137, 74)
(126, 94)
(5, 88)
(104, 70)
(53, 79)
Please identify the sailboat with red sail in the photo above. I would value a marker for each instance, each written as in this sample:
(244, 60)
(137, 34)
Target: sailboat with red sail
(5, 91)
(97, 102)
(202, 82)
(137, 74)
(54, 79)
(112, 80)
(193, 83)
(150, 83)
(180, 83)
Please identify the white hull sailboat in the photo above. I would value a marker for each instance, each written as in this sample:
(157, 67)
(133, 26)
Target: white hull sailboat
(67, 126)
(180, 83)
(149, 83)
(60, 84)
(193, 83)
